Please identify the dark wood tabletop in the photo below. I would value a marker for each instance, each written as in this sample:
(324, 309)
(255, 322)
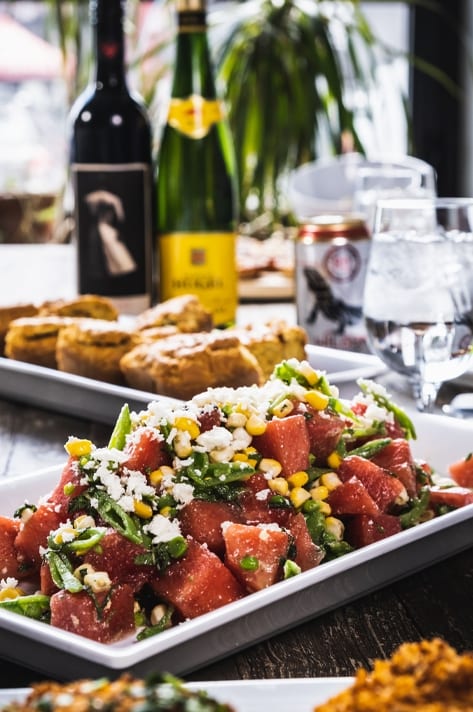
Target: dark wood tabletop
(436, 601)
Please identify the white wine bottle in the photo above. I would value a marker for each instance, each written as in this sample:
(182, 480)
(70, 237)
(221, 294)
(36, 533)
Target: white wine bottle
(196, 186)
(112, 174)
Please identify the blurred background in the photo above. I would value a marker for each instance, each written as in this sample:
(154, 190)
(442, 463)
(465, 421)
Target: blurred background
(322, 78)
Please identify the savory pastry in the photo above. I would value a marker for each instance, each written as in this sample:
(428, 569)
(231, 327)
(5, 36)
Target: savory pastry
(272, 343)
(155, 333)
(8, 314)
(33, 339)
(93, 348)
(185, 312)
(86, 305)
(126, 694)
(429, 676)
(183, 365)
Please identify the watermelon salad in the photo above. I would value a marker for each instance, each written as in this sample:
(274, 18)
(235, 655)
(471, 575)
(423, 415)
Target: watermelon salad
(192, 506)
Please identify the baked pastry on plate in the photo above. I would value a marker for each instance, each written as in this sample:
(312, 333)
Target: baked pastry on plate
(8, 314)
(86, 305)
(186, 312)
(183, 365)
(272, 342)
(93, 348)
(33, 339)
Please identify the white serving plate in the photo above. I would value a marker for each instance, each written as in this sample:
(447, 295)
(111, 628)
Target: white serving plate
(210, 637)
(296, 695)
(88, 398)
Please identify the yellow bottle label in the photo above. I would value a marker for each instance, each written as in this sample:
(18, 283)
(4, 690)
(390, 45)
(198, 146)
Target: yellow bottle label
(195, 115)
(203, 264)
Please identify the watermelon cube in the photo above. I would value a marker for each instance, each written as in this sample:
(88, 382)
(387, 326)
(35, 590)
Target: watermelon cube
(364, 529)
(352, 497)
(386, 490)
(9, 563)
(255, 553)
(203, 522)
(287, 441)
(197, 583)
(105, 618)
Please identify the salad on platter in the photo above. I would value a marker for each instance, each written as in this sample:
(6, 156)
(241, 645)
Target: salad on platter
(195, 505)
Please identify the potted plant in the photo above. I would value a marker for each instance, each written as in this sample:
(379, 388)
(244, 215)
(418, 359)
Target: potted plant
(290, 70)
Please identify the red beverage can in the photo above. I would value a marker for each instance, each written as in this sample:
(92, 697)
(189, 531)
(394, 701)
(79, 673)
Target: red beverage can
(331, 255)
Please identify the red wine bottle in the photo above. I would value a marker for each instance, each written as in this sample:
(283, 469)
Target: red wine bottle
(112, 174)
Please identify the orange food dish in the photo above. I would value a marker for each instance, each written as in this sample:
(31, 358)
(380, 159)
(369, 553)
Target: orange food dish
(429, 676)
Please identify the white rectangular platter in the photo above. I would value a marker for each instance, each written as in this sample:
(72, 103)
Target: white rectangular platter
(296, 695)
(210, 637)
(87, 398)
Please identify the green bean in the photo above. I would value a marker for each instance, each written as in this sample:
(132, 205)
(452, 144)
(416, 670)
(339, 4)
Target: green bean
(61, 572)
(116, 517)
(371, 448)
(419, 506)
(121, 430)
(34, 606)
(368, 387)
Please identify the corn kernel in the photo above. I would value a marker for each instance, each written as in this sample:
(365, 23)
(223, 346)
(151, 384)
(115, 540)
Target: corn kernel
(306, 370)
(236, 420)
(155, 477)
(76, 447)
(182, 444)
(65, 534)
(335, 527)
(165, 511)
(298, 496)
(317, 400)
(255, 425)
(142, 509)
(240, 457)
(6, 594)
(319, 493)
(279, 485)
(251, 452)
(298, 479)
(84, 521)
(188, 425)
(334, 460)
(330, 480)
(157, 614)
(98, 581)
(223, 454)
(325, 508)
(83, 570)
(270, 466)
(284, 408)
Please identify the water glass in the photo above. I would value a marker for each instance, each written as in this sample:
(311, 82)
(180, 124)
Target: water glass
(418, 298)
(406, 177)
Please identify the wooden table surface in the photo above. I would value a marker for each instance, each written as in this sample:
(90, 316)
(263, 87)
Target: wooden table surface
(436, 601)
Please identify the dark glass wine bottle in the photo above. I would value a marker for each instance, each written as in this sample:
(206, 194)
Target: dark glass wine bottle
(196, 186)
(112, 174)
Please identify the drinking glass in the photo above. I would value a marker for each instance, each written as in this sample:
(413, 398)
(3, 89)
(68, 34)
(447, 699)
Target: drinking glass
(418, 298)
(406, 177)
